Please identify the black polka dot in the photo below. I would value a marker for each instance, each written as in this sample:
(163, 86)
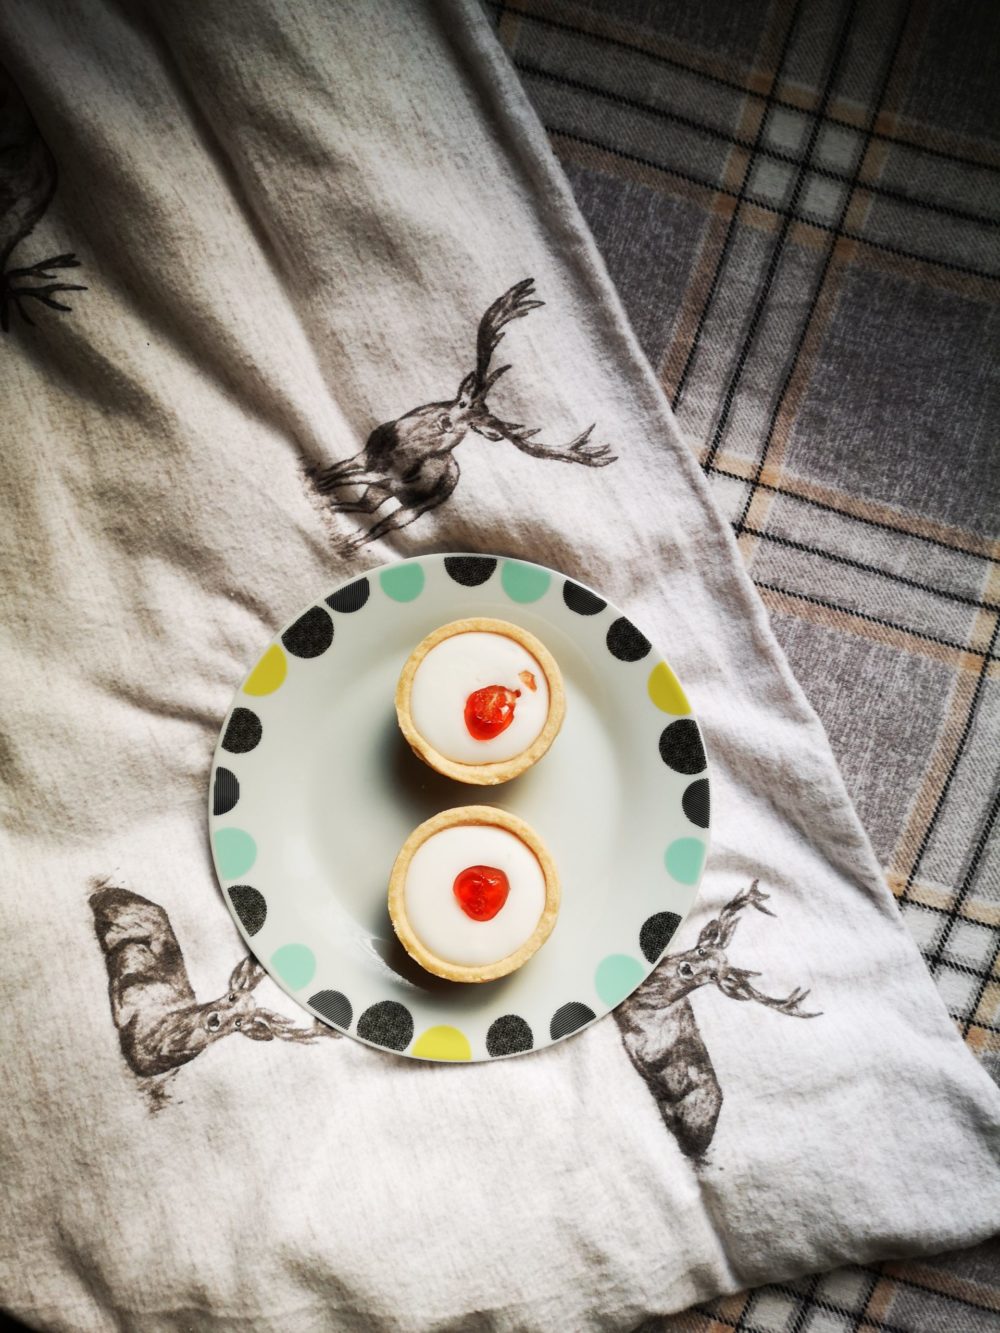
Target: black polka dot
(249, 905)
(334, 1006)
(508, 1035)
(681, 748)
(243, 732)
(696, 803)
(656, 933)
(225, 791)
(311, 634)
(387, 1024)
(351, 598)
(570, 1017)
(469, 570)
(625, 642)
(582, 600)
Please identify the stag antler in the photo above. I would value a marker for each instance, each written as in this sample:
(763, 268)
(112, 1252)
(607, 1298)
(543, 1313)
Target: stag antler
(514, 304)
(720, 930)
(735, 982)
(266, 1025)
(577, 451)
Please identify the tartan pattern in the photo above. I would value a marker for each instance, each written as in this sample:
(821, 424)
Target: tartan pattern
(799, 205)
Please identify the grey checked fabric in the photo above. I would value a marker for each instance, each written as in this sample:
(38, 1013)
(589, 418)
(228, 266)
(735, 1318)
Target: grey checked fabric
(799, 204)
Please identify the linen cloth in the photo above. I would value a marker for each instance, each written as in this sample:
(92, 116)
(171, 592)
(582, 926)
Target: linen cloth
(269, 276)
(853, 450)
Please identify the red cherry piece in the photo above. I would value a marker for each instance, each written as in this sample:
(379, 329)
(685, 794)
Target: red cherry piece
(490, 711)
(481, 891)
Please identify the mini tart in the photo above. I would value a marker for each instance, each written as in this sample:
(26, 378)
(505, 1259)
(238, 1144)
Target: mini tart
(448, 916)
(486, 771)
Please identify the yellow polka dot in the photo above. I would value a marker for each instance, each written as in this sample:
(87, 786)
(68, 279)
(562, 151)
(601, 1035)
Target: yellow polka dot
(442, 1043)
(665, 690)
(269, 672)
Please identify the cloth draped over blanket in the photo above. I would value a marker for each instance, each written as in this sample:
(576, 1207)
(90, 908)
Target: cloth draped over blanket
(278, 230)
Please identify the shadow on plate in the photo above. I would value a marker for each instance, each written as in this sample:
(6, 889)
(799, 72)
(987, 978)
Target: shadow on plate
(411, 974)
(424, 792)
(421, 788)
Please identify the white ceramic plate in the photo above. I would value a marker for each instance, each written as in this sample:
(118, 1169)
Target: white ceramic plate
(314, 791)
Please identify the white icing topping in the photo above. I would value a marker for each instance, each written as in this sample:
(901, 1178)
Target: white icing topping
(456, 668)
(434, 912)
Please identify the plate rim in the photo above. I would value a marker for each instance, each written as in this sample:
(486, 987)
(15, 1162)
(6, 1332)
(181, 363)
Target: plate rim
(372, 573)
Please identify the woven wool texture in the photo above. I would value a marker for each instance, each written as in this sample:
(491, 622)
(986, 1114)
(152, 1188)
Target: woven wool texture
(800, 209)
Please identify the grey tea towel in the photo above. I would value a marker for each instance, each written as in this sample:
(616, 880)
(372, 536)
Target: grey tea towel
(278, 230)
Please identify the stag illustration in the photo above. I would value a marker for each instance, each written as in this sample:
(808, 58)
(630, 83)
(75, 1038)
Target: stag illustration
(160, 1023)
(27, 184)
(661, 1034)
(411, 461)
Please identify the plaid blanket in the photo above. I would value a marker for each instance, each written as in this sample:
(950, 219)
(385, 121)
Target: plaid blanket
(799, 207)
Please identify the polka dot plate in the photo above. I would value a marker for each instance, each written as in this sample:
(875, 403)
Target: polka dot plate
(314, 790)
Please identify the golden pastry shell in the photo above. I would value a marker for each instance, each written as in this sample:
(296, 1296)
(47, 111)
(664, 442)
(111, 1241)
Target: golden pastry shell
(489, 774)
(461, 816)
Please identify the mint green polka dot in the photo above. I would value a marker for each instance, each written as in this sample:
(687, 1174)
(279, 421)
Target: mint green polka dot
(524, 583)
(402, 583)
(235, 852)
(295, 964)
(684, 858)
(617, 976)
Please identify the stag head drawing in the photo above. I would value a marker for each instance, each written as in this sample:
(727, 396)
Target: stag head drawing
(27, 184)
(410, 463)
(661, 1034)
(161, 1025)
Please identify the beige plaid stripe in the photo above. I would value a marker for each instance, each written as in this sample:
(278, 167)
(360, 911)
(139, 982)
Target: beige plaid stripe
(791, 160)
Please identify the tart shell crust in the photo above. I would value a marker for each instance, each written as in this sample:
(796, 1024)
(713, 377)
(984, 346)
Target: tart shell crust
(482, 775)
(465, 815)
